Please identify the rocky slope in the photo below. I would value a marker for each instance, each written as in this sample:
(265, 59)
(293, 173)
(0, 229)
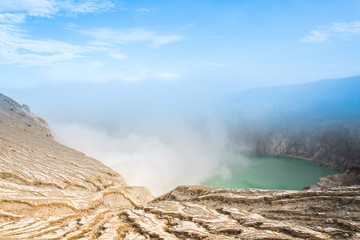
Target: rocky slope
(348, 178)
(47, 184)
(49, 191)
(333, 144)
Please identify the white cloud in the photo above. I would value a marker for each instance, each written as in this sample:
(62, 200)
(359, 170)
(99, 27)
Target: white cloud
(47, 8)
(149, 38)
(213, 64)
(168, 76)
(31, 7)
(85, 6)
(117, 55)
(10, 18)
(26, 60)
(342, 30)
(18, 48)
(143, 10)
(316, 37)
(352, 27)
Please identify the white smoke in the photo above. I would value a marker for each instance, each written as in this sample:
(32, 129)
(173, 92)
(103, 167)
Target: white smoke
(159, 159)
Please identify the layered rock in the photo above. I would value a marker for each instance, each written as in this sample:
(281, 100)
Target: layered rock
(348, 178)
(211, 213)
(45, 184)
(199, 212)
(336, 145)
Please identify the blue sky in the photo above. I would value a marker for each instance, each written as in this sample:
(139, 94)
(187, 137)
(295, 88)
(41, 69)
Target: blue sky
(61, 53)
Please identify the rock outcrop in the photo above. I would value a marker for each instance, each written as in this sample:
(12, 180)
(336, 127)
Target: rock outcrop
(331, 144)
(348, 178)
(49, 191)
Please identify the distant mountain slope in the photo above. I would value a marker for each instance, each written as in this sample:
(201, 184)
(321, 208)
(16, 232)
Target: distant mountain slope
(334, 99)
(319, 121)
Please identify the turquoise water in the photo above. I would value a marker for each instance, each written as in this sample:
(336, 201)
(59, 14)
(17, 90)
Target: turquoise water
(270, 173)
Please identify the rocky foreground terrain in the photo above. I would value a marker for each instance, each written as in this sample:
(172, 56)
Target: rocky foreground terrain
(49, 191)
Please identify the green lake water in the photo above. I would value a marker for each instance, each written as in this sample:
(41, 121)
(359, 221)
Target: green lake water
(270, 173)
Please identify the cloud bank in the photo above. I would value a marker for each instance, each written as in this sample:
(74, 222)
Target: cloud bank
(21, 48)
(48, 8)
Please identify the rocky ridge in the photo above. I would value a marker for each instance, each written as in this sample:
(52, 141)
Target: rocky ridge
(49, 191)
(348, 178)
(336, 145)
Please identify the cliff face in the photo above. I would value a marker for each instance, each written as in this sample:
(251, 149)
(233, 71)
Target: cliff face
(348, 178)
(331, 144)
(49, 191)
(318, 121)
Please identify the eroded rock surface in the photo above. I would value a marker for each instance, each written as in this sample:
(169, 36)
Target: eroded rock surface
(332, 144)
(199, 211)
(49, 191)
(47, 188)
(348, 178)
